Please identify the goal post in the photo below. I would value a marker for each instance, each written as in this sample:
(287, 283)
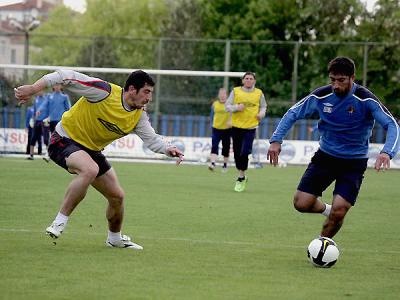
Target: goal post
(177, 92)
(160, 74)
(124, 70)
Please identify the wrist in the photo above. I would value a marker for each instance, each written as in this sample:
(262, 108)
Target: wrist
(383, 152)
(275, 141)
(38, 86)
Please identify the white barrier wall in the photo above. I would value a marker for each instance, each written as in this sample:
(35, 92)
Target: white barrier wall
(195, 148)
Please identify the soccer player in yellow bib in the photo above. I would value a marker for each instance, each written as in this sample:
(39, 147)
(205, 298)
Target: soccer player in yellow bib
(248, 106)
(221, 130)
(105, 112)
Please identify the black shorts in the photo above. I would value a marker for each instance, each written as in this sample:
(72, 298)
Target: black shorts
(61, 147)
(324, 169)
(219, 135)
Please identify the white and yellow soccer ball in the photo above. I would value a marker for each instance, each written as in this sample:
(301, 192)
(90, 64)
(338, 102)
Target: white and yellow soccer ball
(323, 252)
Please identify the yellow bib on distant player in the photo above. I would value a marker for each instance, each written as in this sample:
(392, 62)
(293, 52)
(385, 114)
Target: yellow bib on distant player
(221, 116)
(251, 100)
(97, 124)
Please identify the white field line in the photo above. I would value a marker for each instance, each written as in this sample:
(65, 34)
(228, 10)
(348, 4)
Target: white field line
(21, 158)
(221, 242)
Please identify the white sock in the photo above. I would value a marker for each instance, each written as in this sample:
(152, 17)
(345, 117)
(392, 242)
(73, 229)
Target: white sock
(114, 236)
(327, 210)
(61, 219)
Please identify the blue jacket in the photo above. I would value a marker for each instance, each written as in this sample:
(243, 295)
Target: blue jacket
(55, 105)
(345, 123)
(36, 107)
(28, 116)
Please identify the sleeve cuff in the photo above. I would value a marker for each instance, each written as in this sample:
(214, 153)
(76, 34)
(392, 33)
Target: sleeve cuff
(391, 156)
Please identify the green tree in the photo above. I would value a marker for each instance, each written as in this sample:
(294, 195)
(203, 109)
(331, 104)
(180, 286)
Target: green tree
(129, 38)
(103, 39)
(49, 42)
(384, 59)
(287, 20)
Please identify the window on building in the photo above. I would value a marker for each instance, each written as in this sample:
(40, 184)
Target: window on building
(3, 47)
(13, 56)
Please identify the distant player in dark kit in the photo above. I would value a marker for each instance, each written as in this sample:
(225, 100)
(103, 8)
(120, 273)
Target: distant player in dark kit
(29, 123)
(53, 107)
(104, 113)
(38, 126)
(347, 113)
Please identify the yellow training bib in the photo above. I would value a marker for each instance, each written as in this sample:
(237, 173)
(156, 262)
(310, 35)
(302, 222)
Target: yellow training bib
(247, 118)
(221, 116)
(97, 124)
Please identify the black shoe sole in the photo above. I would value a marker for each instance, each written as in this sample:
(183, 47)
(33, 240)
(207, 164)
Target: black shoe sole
(53, 236)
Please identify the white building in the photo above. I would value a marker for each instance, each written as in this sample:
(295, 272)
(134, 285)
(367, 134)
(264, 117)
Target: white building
(12, 39)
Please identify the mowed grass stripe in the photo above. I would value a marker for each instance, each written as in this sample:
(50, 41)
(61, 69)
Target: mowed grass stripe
(201, 239)
(272, 245)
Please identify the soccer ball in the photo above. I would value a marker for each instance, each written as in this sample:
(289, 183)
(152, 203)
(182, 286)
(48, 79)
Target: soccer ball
(323, 252)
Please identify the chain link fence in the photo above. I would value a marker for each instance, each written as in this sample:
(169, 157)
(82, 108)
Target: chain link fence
(286, 70)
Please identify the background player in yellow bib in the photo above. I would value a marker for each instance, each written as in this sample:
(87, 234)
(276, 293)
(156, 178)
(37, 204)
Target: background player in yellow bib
(248, 106)
(221, 130)
(104, 113)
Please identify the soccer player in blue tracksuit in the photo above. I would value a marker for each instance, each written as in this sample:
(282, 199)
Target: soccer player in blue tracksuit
(28, 127)
(347, 113)
(38, 126)
(54, 106)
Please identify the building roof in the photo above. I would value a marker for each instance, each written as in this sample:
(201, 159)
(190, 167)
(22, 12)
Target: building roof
(41, 5)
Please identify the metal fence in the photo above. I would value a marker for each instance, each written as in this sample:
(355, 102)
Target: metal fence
(164, 53)
(286, 70)
(200, 126)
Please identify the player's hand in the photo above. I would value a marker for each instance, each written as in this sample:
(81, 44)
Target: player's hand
(240, 107)
(24, 93)
(382, 162)
(259, 116)
(175, 152)
(273, 153)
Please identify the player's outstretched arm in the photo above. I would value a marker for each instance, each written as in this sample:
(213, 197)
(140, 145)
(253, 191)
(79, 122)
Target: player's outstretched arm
(175, 152)
(24, 92)
(273, 153)
(382, 162)
(155, 142)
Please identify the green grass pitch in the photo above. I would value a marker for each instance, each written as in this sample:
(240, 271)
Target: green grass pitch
(201, 239)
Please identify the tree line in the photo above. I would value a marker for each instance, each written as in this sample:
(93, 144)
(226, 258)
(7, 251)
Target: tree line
(125, 33)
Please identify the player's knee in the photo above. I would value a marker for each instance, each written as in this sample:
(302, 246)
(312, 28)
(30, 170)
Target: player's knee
(116, 197)
(87, 173)
(299, 204)
(338, 213)
(119, 196)
(91, 172)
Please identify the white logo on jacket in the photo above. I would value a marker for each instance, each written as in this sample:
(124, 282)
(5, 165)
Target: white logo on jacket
(327, 107)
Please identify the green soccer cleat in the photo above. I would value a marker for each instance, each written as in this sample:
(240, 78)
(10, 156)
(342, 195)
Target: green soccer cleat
(240, 186)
